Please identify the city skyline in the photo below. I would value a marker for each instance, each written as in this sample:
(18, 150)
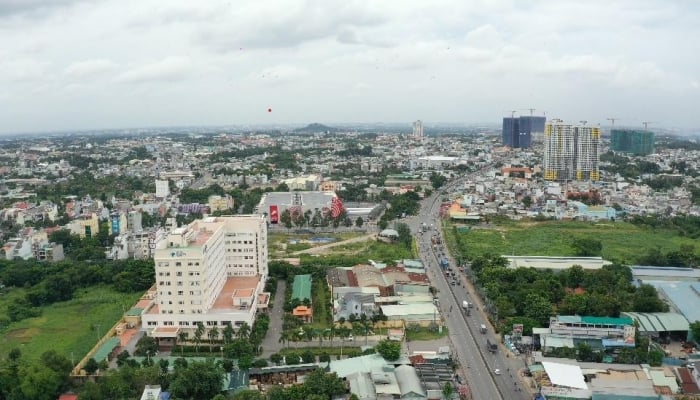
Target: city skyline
(91, 65)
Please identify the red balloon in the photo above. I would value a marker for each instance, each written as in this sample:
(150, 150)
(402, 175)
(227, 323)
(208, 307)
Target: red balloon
(269, 110)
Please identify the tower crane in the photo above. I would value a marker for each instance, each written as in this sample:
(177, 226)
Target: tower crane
(583, 122)
(612, 120)
(646, 124)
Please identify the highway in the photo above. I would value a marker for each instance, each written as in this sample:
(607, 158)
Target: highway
(470, 345)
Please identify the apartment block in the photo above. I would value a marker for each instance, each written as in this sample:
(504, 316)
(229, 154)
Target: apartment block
(632, 141)
(211, 271)
(571, 152)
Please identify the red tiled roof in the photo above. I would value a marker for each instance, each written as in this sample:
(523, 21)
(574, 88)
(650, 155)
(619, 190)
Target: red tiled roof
(68, 396)
(417, 359)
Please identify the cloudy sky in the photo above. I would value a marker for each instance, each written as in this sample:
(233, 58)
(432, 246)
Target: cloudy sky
(81, 64)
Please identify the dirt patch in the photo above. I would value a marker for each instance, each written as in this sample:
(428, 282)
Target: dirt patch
(22, 335)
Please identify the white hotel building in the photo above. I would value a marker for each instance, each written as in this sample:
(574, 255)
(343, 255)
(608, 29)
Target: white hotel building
(211, 271)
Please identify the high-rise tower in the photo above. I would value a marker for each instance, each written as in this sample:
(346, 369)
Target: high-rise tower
(418, 129)
(571, 152)
(518, 131)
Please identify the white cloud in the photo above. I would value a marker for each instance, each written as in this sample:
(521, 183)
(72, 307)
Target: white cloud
(90, 68)
(351, 59)
(167, 70)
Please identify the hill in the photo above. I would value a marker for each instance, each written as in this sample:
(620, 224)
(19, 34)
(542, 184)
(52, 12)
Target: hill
(316, 128)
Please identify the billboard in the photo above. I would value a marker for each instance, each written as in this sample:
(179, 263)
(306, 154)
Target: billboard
(274, 214)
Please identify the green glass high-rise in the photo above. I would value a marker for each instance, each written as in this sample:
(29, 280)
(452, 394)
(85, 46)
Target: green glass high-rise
(633, 141)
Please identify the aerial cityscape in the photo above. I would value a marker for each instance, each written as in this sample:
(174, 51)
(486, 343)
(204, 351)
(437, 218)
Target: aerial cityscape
(348, 200)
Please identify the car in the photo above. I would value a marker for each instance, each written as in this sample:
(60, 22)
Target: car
(349, 339)
(497, 371)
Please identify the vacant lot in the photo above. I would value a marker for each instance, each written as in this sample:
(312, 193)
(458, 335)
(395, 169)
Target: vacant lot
(621, 241)
(71, 328)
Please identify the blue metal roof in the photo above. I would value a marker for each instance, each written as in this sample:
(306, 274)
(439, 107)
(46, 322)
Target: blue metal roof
(685, 297)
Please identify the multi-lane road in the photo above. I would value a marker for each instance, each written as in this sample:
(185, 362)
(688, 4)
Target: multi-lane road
(479, 365)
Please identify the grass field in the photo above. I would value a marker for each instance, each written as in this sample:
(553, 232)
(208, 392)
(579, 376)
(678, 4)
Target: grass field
(375, 250)
(621, 241)
(67, 327)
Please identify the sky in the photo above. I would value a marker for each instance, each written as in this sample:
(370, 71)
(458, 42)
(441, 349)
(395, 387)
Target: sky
(93, 64)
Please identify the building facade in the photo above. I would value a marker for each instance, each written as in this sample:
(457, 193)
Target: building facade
(418, 129)
(211, 271)
(571, 152)
(632, 141)
(519, 132)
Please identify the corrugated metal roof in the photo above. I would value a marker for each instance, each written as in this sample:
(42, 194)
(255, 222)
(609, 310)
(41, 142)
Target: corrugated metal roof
(659, 322)
(606, 320)
(685, 296)
(408, 379)
(106, 348)
(301, 289)
(614, 396)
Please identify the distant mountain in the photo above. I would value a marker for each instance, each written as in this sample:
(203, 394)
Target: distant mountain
(316, 128)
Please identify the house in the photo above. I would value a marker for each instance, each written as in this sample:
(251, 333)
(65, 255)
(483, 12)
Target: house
(301, 290)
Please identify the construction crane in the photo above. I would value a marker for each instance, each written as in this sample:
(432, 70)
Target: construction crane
(612, 120)
(646, 124)
(512, 113)
(531, 110)
(583, 122)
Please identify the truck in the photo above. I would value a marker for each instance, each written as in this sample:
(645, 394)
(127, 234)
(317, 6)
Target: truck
(492, 347)
(444, 263)
(465, 304)
(482, 328)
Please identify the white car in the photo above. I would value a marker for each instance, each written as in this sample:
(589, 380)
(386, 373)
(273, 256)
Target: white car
(497, 371)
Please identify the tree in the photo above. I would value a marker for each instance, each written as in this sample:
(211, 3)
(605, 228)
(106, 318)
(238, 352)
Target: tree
(91, 366)
(39, 382)
(228, 334)
(286, 219)
(198, 333)
(244, 331)
(328, 385)
(181, 339)
(437, 180)
(276, 393)
(359, 222)
(527, 201)
(308, 356)
(199, 380)
(695, 331)
(248, 394)
(447, 390)
(389, 349)
(146, 347)
(538, 308)
(585, 247)
(213, 335)
(405, 236)
(276, 358)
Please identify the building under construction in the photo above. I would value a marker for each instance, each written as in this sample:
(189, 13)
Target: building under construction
(571, 152)
(633, 141)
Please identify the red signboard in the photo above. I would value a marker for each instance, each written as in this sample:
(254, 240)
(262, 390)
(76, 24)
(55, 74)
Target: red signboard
(274, 215)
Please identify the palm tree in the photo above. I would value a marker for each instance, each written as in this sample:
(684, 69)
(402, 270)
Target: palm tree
(244, 330)
(181, 338)
(212, 334)
(285, 336)
(227, 334)
(319, 334)
(308, 333)
(198, 333)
